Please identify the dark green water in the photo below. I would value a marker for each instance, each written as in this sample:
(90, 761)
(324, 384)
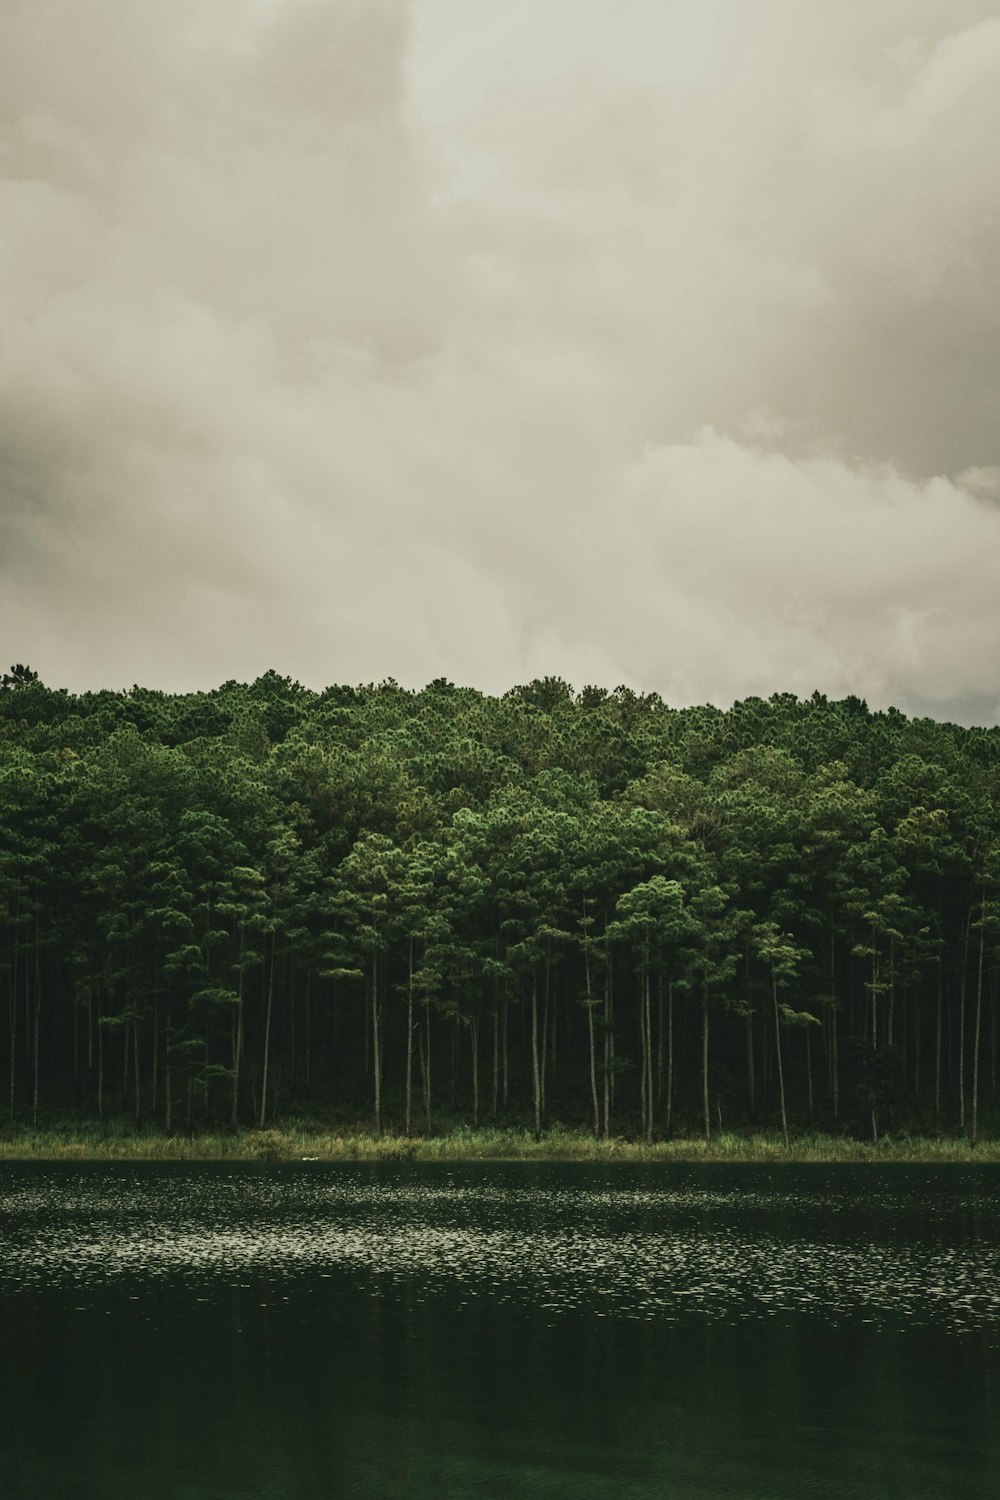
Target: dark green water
(295, 1332)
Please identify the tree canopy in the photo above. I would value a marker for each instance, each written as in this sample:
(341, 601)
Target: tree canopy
(553, 905)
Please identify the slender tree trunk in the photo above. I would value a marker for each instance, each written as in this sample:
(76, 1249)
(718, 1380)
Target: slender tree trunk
(670, 1055)
(474, 1038)
(777, 1057)
(835, 1061)
(267, 1037)
(425, 1066)
(704, 1062)
(234, 1113)
(659, 1040)
(155, 1080)
(834, 1066)
(496, 1061)
(125, 1062)
(307, 1006)
(979, 1013)
(961, 1023)
(643, 1059)
(608, 1055)
(875, 971)
(937, 1052)
(993, 1036)
(168, 1102)
(409, 1040)
(100, 1065)
(545, 1034)
(506, 1055)
(751, 1081)
(12, 1027)
(590, 1037)
(649, 1063)
(611, 996)
(293, 1029)
(36, 1044)
(536, 1086)
(376, 1045)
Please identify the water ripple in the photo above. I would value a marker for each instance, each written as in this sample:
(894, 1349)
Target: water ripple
(654, 1251)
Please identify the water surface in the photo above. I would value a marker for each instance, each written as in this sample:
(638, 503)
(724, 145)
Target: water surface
(307, 1330)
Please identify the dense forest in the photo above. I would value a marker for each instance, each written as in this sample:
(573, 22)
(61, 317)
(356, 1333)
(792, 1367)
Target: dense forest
(424, 907)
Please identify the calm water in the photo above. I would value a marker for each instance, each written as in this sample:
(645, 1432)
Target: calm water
(295, 1332)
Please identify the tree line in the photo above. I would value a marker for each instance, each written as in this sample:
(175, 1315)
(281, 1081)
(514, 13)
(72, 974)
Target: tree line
(587, 908)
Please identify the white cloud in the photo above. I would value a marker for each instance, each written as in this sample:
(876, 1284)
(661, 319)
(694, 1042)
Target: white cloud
(365, 339)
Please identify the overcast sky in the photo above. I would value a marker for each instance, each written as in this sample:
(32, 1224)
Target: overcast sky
(638, 341)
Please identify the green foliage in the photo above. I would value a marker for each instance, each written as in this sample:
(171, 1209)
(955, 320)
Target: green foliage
(215, 906)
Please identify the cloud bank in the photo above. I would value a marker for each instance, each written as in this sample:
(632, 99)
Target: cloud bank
(651, 342)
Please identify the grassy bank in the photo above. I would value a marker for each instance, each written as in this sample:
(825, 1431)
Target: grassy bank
(123, 1141)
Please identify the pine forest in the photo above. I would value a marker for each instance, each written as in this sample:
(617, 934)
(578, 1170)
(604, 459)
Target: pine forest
(424, 908)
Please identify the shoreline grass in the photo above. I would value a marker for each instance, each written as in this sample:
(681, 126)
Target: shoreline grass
(118, 1140)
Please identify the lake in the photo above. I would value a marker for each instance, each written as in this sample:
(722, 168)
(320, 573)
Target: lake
(296, 1331)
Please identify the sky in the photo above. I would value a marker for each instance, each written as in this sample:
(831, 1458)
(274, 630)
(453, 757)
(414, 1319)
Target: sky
(644, 342)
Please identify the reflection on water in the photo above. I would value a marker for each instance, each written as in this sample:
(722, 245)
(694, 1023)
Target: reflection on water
(657, 1250)
(577, 1330)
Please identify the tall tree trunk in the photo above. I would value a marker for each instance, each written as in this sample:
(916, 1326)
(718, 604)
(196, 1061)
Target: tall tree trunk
(155, 1080)
(307, 1009)
(474, 1038)
(643, 1059)
(993, 1037)
(100, 1065)
(409, 1041)
(670, 1055)
(234, 1113)
(874, 988)
(777, 1057)
(608, 1045)
(36, 1045)
(979, 1013)
(12, 1027)
(168, 1101)
(125, 1062)
(377, 1045)
(590, 1036)
(961, 1022)
(506, 1054)
(267, 1037)
(496, 1060)
(704, 1062)
(649, 1063)
(536, 1085)
(937, 1052)
(834, 1061)
(545, 1034)
(659, 1040)
(425, 1066)
(751, 1081)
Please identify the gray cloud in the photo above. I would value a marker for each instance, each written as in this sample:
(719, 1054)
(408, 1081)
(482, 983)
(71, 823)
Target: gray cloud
(650, 342)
